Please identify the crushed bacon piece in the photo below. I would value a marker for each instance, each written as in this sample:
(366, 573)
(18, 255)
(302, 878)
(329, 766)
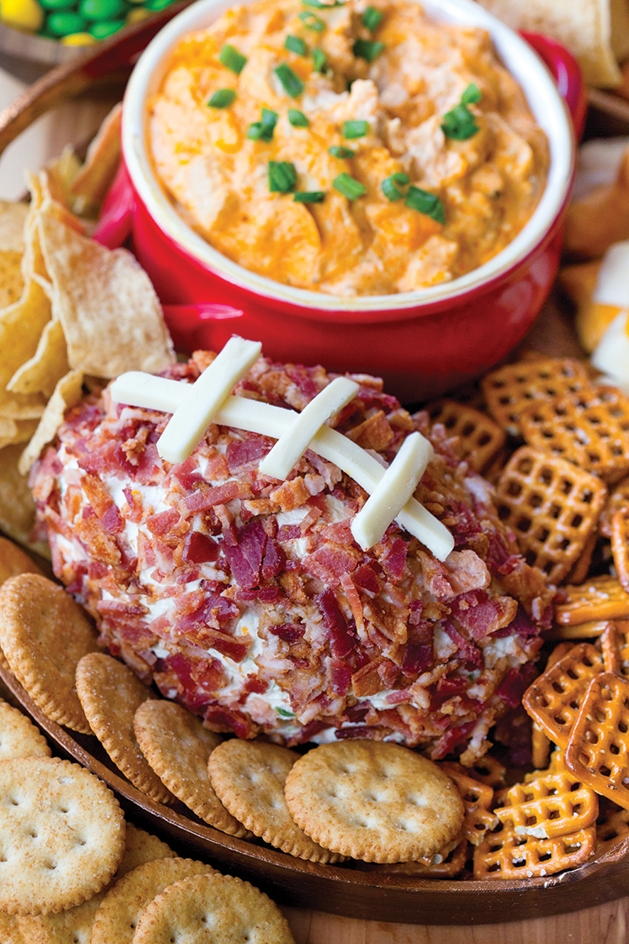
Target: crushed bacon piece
(291, 494)
(247, 599)
(480, 615)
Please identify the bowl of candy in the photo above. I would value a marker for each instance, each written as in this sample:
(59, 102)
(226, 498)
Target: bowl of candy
(36, 35)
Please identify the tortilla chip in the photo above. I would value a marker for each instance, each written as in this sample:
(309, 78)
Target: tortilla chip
(585, 27)
(11, 281)
(110, 313)
(47, 196)
(32, 261)
(17, 508)
(67, 393)
(12, 220)
(61, 175)
(601, 218)
(21, 326)
(45, 369)
(15, 431)
(101, 163)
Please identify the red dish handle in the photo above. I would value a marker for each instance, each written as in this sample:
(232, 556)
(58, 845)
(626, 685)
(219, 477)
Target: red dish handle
(188, 324)
(566, 72)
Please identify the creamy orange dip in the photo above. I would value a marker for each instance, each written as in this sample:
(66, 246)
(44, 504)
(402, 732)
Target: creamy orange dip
(462, 195)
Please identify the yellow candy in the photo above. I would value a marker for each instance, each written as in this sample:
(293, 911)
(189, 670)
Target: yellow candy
(140, 13)
(22, 14)
(79, 39)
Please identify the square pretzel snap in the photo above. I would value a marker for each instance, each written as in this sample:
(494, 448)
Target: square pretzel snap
(599, 599)
(550, 804)
(480, 439)
(598, 747)
(504, 854)
(581, 429)
(510, 389)
(552, 506)
(554, 698)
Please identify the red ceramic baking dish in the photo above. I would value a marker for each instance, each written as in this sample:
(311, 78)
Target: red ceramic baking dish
(422, 342)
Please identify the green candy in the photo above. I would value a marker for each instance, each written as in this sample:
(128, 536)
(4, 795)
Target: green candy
(66, 23)
(101, 9)
(157, 4)
(105, 28)
(56, 4)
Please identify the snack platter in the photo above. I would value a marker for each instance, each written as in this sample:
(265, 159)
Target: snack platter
(342, 889)
(357, 894)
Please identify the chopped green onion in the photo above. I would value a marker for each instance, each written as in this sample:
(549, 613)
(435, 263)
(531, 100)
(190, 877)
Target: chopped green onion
(282, 177)
(426, 203)
(372, 18)
(318, 60)
(312, 22)
(295, 44)
(389, 189)
(232, 59)
(284, 713)
(459, 123)
(297, 118)
(342, 152)
(348, 186)
(309, 196)
(291, 83)
(471, 95)
(263, 130)
(355, 129)
(222, 98)
(366, 49)
(322, 6)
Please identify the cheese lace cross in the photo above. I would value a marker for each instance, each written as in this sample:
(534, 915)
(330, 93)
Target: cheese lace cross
(209, 400)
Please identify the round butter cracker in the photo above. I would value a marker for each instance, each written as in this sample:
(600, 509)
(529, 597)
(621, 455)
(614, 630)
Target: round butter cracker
(14, 561)
(44, 634)
(374, 801)
(119, 913)
(213, 909)
(62, 835)
(73, 926)
(110, 695)
(249, 779)
(177, 747)
(10, 930)
(19, 737)
(141, 847)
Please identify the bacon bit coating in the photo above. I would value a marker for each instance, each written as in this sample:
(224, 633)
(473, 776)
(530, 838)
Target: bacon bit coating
(249, 602)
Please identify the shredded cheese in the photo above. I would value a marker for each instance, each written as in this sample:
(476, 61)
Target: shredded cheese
(203, 399)
(292, 444)
(392, 491)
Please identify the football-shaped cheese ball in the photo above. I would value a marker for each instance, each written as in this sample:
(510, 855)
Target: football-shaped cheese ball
(247, 600)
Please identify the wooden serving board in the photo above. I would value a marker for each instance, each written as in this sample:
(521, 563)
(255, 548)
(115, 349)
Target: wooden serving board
(428, 909)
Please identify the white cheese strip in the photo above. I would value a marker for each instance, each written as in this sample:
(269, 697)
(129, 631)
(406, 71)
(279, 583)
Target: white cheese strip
(291, 446)
(392, 491)
(203, 399)
(612, 284)
(147, 391)
(267, 420)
